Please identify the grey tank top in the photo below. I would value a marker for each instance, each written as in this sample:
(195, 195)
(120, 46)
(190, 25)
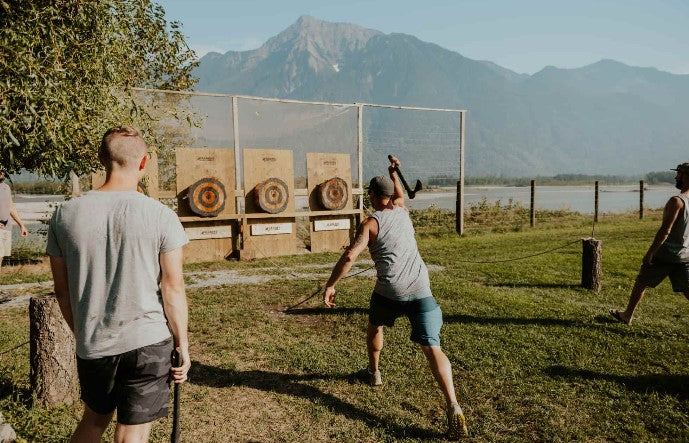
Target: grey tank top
(402, 274)
(676, 246)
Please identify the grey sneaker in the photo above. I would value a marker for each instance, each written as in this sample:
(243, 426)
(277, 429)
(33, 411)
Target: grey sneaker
(372, 378)
(456, 424)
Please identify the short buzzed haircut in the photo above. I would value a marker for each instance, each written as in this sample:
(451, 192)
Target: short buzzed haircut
(122, 145)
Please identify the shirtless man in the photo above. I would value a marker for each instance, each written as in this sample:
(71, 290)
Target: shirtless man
(668, 255)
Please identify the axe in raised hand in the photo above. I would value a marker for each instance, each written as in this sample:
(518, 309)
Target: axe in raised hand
(410, 192)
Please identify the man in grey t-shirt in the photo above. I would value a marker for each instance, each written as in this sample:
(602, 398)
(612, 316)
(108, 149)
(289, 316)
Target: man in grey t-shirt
(402, 289)
(116, 258)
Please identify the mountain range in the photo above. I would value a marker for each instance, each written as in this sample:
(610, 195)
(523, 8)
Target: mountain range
(604, 118)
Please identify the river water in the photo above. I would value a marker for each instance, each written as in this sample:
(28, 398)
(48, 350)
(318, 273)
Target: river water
(612, 199)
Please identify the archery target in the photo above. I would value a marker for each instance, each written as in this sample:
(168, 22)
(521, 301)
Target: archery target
(271, 195)
(207, 197)
(333, 194)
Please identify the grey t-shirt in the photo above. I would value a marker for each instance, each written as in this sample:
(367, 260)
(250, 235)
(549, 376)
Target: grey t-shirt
(676, 246)
(402, 274)
(111, 242)
(5, 200)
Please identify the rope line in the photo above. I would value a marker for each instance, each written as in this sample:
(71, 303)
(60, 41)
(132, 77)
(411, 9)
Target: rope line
(16, 347)
(522, 257)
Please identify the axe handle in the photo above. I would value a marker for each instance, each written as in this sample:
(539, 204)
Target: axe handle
(399, 174)
(176, 362)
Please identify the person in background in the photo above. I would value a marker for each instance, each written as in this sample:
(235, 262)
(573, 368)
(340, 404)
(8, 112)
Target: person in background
(668, 255)
(116, 259)
(7, 210)
(402, 289)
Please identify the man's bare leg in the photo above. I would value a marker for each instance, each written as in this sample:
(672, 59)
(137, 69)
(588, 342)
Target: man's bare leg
(634, 299)
(132, 433)
(91, 426)
(442, 371)
(374, 344)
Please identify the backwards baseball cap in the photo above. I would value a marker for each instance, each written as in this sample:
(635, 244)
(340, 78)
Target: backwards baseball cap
(683, 167)
(382, 186)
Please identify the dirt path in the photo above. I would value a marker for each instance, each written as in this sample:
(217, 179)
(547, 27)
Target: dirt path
(22, 292)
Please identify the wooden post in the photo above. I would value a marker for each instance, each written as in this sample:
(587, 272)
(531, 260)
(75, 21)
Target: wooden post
(532, 212)
(53, 372)
(641, 199)
(591, 256)
(595, 207)
(459, 208)
(239, 198)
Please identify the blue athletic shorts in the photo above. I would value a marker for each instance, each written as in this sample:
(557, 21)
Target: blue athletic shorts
(424, 315)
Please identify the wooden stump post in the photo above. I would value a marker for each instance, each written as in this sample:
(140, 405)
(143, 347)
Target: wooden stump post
(53, 373)
(591, 256)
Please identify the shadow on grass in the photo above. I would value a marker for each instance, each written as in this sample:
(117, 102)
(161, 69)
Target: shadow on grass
(666, 384)
(326, 311)
(292, 384)
(463, 318)
(9, 389)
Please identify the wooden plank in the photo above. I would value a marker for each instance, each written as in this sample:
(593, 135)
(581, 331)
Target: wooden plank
(355, 212)
(271, 228)
(321, 167)
(193, 164)
(210, 249)
(208, 232)
(150, 177)
(335, 224)
(260, 165)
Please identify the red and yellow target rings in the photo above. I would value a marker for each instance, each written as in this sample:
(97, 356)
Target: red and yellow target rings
(207, 197)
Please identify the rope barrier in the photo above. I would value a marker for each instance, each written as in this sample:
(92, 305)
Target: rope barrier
(522, 257)
(16, 347)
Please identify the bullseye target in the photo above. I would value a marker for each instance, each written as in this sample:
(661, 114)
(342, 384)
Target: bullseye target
(333, 194)
(207, 197)
(271, 195)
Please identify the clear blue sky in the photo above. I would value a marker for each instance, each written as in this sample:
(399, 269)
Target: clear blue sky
(524, 36)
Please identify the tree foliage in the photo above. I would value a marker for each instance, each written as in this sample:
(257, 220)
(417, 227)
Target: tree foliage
(66, 72)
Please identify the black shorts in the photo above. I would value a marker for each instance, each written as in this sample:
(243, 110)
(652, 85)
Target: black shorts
(135, 383)
(651, 276)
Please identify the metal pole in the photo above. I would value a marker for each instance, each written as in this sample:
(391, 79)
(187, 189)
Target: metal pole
(532, 213)
(459, 214)
(595, 210)
(360, 150)
(641, 199)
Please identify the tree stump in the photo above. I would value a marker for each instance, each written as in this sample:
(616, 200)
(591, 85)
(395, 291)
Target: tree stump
(53, 373)
(591, 258)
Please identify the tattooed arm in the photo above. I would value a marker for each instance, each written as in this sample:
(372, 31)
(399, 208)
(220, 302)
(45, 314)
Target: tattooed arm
(347, 260)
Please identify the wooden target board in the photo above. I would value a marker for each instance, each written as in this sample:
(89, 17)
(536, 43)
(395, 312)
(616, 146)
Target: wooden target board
(268, 175)
(328, 175)
(148, 184)
(206, 188)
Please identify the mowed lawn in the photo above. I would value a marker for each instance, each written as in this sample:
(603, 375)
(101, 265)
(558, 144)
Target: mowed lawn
(535, 356)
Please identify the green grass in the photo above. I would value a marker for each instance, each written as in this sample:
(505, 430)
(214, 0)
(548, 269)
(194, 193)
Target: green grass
(535, 357)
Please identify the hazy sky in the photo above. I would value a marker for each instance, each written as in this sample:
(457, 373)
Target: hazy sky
(524, 36)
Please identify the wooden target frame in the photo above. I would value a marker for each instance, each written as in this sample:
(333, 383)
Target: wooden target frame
(215, 237)
(149, 182)
(270, 235)
(329, 233)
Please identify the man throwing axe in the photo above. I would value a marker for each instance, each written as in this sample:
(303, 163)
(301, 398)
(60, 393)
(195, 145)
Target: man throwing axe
(402, 289)
(116, 258)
